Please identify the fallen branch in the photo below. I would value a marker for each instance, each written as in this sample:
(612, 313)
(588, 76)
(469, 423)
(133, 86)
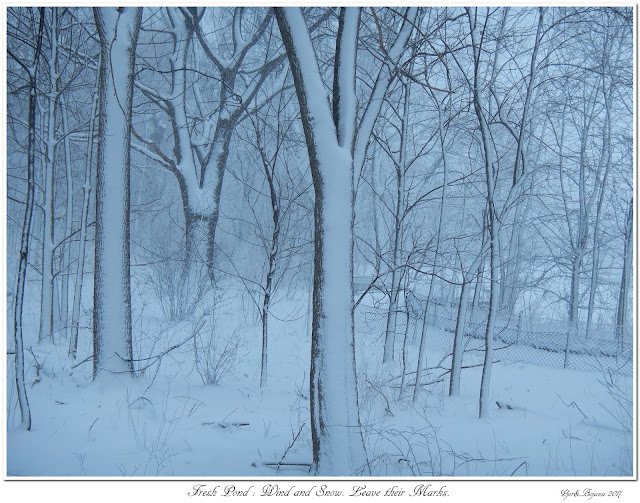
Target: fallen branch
(446, 371)
(278, 464)
(222, 424)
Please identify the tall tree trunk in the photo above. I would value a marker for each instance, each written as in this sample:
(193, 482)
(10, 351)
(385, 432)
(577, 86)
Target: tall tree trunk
(46, 307)
(595, 265)
(112, 346)
(23, 262)
(404, 345)
(68, 222)
(515, 256)
(47, 297)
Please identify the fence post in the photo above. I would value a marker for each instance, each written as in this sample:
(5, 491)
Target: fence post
(572, 326)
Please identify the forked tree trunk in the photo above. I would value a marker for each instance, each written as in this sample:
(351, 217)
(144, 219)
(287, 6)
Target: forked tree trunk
(338, 447)
(491, 218)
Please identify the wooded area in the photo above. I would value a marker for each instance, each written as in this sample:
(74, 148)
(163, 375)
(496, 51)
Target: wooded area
(164, 161)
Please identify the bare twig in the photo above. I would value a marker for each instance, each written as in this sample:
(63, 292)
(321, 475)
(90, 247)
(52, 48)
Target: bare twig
(388, 408)
(573, 404)
(90, 357)
(159, 356)
(526, 467)
(295, 437)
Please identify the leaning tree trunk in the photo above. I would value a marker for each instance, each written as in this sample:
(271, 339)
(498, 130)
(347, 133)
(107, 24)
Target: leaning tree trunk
(112, 346)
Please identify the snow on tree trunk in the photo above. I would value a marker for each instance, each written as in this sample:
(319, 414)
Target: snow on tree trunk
(338, 447)
(198, 244)
(383, 79)
(118, 30)
(201, 204)
(199, 157)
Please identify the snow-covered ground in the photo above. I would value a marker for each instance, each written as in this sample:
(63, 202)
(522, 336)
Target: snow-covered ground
(549, 422)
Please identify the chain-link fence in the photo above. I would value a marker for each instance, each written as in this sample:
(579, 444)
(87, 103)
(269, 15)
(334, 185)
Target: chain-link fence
(517, 338)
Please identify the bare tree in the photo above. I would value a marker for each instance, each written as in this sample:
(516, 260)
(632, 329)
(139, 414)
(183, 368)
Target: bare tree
(202, 137)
